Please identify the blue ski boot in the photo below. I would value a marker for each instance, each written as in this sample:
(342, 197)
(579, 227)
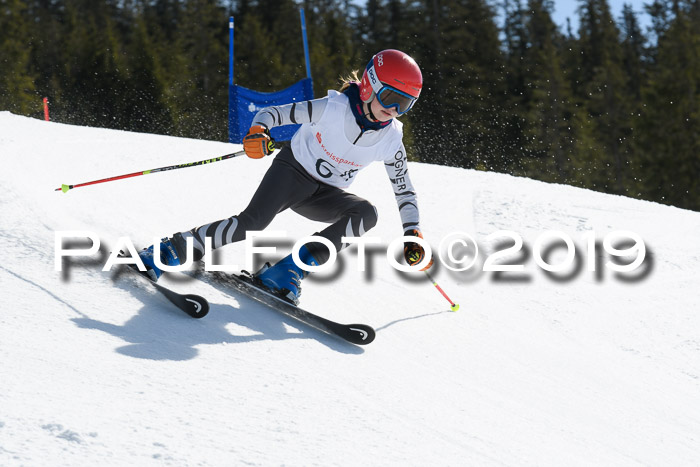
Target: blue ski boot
(284, 278)
(168, 256)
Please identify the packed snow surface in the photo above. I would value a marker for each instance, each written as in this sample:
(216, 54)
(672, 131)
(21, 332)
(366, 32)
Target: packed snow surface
(585, 366)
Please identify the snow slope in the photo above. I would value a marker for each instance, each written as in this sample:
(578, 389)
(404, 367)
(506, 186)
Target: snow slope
(593, 369)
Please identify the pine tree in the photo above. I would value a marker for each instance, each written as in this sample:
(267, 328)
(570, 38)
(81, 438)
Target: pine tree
(605, 98)
(16, 80)
(45, 44)
(545, 100)
(515, 45)
(145, 97)
(635, 58)
(333, 54)
(158, 26)
(460, 112)
(672, 117)
(94, 69)
(203, 36)
(267, 45)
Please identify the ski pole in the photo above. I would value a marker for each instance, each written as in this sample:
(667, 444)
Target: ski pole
(453, 306)
(65, 188)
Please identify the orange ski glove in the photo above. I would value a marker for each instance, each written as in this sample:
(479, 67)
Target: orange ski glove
(258, 143)
(413, 253)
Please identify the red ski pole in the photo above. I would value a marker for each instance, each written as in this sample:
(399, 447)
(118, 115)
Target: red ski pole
(65, 188)
(453, 306)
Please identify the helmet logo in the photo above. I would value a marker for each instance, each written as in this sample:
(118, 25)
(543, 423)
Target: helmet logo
(371, 75)
(380, 59)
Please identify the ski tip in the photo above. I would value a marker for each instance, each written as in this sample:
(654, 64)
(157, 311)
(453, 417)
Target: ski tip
(360, 334)
(198, 307)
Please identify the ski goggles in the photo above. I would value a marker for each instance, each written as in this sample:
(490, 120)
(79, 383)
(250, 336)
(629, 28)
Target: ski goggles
(390, 97)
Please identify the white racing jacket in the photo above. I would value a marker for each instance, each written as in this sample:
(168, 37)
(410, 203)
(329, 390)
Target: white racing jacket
(333, 148)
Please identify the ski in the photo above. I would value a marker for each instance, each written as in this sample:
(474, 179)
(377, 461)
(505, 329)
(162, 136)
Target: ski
(359, 334)
(194, 305)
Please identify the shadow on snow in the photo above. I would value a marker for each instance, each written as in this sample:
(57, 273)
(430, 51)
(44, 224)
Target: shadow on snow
(160, 331)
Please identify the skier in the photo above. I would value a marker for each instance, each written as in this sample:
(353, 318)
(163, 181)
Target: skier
(340, 134)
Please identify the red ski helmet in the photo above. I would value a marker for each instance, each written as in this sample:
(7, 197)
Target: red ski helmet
(394, 77)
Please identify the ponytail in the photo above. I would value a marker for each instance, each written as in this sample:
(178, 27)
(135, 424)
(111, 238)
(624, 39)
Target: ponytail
(347, 80)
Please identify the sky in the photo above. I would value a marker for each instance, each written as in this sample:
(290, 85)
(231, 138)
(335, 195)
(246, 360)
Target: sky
(567, 9)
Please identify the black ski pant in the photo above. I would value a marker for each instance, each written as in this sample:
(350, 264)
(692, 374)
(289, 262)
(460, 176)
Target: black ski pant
(287, 185)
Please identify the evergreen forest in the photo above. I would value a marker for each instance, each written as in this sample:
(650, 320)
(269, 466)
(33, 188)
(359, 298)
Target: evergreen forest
(601, 103)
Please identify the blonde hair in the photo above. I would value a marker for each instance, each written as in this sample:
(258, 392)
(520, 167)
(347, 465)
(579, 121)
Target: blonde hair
(348, 79)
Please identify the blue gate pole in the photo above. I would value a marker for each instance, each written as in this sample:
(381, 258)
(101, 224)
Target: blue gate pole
(230, 51)
(230, 79)
(306, 44)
